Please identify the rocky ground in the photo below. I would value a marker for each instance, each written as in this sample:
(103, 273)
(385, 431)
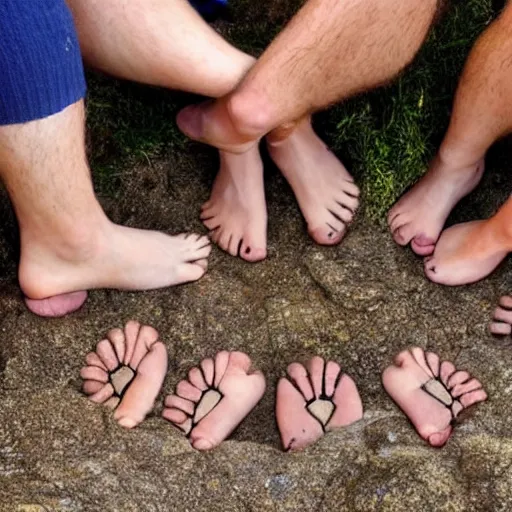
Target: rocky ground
(358, 304)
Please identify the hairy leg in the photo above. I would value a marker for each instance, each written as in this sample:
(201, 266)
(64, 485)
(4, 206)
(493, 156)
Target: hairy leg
(67, 242)
(482, 113)
(300, 72)
(122, 42)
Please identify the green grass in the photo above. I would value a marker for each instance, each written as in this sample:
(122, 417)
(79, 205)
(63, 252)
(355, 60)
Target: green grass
(385, 137)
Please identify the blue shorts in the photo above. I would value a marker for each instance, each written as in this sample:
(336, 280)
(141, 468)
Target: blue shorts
(41, 70)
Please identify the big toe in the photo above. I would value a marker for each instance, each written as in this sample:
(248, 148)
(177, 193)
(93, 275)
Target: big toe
(253, 252)
(201, 444)
(440, 438)
(58, 305)
(297, 427)
(325, 235)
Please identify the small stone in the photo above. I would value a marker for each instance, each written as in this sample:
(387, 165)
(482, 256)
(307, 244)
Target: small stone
(322, 410)
(121, 379)
(435, 388)
(209, 400)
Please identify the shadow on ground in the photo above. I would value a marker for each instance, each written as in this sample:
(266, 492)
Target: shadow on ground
(359, 304)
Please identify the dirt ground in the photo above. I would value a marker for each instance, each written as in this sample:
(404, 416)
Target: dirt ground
(359, 304)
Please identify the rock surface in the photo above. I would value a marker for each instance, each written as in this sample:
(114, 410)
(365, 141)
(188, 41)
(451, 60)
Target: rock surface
(358, 304)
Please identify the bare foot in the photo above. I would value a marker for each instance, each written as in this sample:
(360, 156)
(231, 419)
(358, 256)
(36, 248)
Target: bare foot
(502, 317)
(217, 396)
(419, 216)
(236, 213)
(126, 372)
(466, 253)
(212, 122)
(53, 280)
(313, 401)
(325, 191)
(431, 393)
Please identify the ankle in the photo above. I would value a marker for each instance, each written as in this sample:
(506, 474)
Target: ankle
(47, 262)
(459, 159)
(79, 242)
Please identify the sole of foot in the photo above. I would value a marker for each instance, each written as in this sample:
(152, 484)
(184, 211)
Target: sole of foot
(501, 324)
(420, 214)
(236, 213)
(58, 305)
(326, 193)
(313, 400)
(431, 392)
(126, 372)
(215, 398)
(128, 259)
(464, 254)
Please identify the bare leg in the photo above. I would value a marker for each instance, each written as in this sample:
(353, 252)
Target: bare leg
(165, 43)
(481, 114)
(67, 242)
(331, 50)
(168, 44)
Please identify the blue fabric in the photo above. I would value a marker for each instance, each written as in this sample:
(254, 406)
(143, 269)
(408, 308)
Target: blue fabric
(41, 70)
(210, 9)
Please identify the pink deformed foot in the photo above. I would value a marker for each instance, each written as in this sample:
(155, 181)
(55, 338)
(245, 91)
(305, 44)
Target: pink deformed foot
(430, 392)
(214, 400)
(314, 400)
(419, 215)
(502, 317)
(58, 305)
(466, 253)
(126, 372)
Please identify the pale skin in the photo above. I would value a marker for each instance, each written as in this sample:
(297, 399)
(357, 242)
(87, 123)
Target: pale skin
(314, 399)
(300, 73)
(72, 251)
(168, 44)
(126, 372)
(482, 113)
(431, 392)
(67, 242)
